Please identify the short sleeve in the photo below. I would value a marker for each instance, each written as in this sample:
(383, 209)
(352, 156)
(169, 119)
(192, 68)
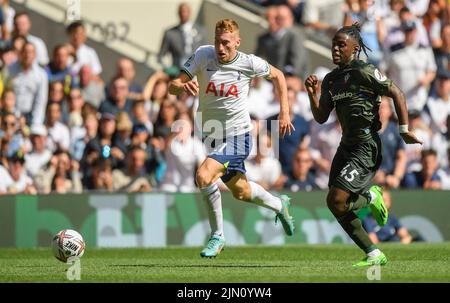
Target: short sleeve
(260, 67)
(373, 78)
(192, 66)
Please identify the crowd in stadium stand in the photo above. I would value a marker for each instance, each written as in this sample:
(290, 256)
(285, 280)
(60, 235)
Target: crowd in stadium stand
(64, 129)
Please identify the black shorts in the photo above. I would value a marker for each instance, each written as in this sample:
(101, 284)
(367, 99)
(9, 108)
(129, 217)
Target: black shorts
(354, 166)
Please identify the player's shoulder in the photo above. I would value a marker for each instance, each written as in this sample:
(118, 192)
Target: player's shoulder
(368, 68)
(206, 50)
(332, 75)
(248, 57)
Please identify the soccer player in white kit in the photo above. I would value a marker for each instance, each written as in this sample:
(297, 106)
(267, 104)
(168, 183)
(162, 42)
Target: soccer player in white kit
(223, 82)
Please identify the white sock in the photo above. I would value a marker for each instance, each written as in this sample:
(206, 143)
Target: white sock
(374, 253)
(263, 198)
(212, 197)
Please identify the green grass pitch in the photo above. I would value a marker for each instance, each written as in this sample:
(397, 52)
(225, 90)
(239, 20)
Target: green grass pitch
(290, 263)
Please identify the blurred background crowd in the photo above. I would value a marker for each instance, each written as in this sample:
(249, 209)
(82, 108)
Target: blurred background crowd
(64, 129)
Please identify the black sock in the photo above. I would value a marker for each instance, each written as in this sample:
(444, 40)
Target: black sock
(353, 227)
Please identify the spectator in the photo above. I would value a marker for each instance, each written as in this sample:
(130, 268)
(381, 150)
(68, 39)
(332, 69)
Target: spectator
(39, 156)
(75, 115)
(124, 128)
(183, 154)
(56, 95)
(301, 177)
(395, 38)
(30, 83)
(8, 19)
(104, 145)
(263, 168)
(323, 15)
(413, 76)
(11, 136)
(59, 134)
(92, 88)
(432, 21)
(156, 90)
(133, 178)
(90, 123)
(371, 28)
(418, 7)
(393, 165)
(61, 176)
(391, 22)
(8, 103)
(22, 27)
(437, 110)
(427, 178)
(154, 148)
(166, 118)
(118, 100)
(325, 139)
(84, 54)
(288, 145)
(182, 40)
(59, 69)
(393, 231)
(259, 97)
(125, 69)
(442, 54)
(424, 133)
(101, 178)
(283, 48)
(14, 179)
(303, 107)
(139, 115)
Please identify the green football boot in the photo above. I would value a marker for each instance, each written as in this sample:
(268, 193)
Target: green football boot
(286, 220)
(370, 261)
(213, 247)
(379, 210)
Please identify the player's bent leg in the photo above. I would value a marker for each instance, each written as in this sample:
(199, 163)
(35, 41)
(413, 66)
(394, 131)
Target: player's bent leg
(252, 192)
(206, 176)
(337, 201)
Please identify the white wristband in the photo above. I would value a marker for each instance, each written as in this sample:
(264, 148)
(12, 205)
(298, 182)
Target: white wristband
(403, 129)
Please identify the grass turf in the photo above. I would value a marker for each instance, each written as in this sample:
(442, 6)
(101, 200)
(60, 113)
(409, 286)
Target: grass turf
(290, 263)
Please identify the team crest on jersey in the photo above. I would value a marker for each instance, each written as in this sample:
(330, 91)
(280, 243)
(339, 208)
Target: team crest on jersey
(346, 77)
(379, 76)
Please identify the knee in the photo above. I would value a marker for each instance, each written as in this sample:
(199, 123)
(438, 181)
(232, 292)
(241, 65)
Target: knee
(203, 178)
(241, 193)
(337, 205)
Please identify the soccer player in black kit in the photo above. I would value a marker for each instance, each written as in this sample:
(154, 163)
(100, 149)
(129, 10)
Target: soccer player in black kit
(354, 89)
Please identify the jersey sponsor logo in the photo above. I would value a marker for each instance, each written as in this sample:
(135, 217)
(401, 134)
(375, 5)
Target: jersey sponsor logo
(221, 90)
(341, 96)
(379, 76)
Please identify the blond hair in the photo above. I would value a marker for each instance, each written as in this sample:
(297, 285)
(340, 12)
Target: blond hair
(227, 26)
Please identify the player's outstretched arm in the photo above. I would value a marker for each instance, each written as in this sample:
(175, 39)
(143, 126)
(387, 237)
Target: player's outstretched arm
(279, 82)
(183, 84)
(321, 108)
(402, 113)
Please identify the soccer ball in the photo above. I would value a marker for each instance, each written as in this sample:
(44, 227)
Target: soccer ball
(67, 244)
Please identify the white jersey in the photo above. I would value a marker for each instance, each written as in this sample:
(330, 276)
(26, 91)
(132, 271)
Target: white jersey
(224, 89)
